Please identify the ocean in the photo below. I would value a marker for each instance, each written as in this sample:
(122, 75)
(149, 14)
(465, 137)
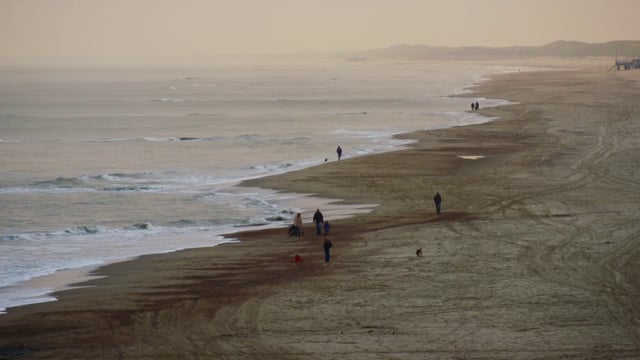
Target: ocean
(102, 165)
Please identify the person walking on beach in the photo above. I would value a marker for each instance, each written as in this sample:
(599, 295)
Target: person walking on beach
(318, 219)
(473, 106)
(477, 106)
(326, 227)
(339, 152)
(327, 250)
(297, 223)
(437, 200)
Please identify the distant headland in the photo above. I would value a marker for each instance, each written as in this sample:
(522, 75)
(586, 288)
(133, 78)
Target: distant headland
(561, 49)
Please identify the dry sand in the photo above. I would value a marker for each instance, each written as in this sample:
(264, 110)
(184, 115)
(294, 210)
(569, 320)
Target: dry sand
(536, 254)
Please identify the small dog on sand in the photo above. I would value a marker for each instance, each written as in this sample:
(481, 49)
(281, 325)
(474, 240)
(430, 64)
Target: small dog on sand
(419, 252)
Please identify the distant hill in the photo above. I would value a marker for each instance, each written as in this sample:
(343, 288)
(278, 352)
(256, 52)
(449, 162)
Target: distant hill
(564, 49)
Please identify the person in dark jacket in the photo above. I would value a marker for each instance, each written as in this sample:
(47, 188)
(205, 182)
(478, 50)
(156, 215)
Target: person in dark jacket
(327, 250)
(339, 152)
(437, 200)
(318, 219)
(326, 227)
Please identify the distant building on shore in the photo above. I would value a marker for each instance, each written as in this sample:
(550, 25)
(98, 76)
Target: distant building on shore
(627, 64)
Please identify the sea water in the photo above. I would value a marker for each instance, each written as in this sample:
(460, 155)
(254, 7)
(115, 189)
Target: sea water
(101, 165)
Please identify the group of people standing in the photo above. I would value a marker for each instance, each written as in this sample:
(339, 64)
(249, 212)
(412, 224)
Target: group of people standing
(321, 225)
(475, 106)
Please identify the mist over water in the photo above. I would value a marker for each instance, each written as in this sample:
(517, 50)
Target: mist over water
(102, 165)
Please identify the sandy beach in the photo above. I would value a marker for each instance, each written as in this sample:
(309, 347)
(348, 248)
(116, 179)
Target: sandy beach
(535, 255)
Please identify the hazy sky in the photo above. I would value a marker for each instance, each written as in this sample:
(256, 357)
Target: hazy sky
(132, 28)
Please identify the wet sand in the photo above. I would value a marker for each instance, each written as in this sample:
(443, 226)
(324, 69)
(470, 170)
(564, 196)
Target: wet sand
(535, 255)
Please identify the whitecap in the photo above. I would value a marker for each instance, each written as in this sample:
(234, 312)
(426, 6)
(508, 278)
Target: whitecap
(172, 100)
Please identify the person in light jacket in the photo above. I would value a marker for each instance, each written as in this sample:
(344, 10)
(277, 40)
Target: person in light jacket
(297, 223)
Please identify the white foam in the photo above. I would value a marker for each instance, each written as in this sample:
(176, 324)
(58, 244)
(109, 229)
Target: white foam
(471, 157)
(35, 285)
(173, 100)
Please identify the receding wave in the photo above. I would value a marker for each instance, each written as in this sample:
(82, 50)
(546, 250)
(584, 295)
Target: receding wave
(272, 167)
(12, 237)
(78, 230)
(158, 139)
(283, 215)
(104, 182)
(249, 137)
(117, 176)
(246, 137)
(205, 114)
(61, 182)
(173, 100)
(121, 140)
(345, 113)
(254, 222)
(261, 138)
(136, 188)
(117, 182)
(184, 222)
(141, 226)
(154, 139)
(114, 140)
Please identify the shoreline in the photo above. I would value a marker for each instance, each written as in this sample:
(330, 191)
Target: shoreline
(44, 288)
(526, 261)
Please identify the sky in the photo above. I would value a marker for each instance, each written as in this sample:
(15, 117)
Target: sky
(45, 30)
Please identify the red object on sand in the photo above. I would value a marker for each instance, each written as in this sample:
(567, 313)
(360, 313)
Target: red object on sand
(297, 259)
